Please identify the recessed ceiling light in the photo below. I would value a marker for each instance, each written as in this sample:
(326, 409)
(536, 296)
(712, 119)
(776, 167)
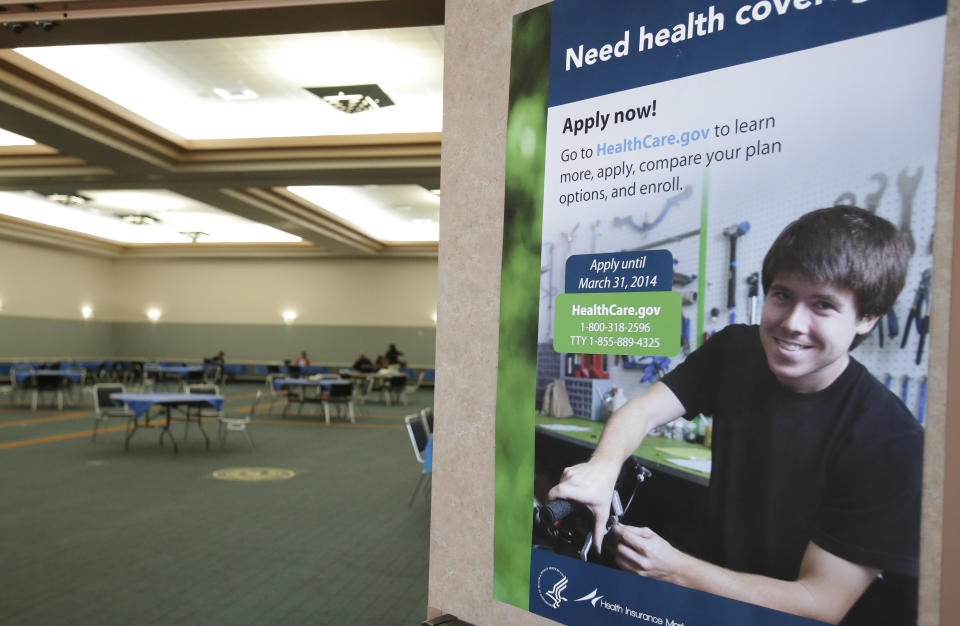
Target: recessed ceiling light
(236, 93)
(139, 219)
(67, 198)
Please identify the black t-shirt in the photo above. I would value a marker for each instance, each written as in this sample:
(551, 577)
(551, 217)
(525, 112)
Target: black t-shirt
(840, 467)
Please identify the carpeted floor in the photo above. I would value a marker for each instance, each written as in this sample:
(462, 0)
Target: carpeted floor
(91, 534)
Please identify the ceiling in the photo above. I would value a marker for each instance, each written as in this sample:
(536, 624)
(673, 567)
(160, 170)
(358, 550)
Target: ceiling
(127, 121)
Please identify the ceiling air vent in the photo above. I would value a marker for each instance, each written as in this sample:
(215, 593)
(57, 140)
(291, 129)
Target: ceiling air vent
(353, 98)
(140, 219)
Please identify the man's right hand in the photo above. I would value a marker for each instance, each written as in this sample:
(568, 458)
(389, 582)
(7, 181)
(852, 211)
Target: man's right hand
(592, 484)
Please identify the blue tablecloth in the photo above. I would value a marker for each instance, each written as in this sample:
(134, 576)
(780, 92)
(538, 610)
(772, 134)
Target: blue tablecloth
(326, 383)
(22, 375)
(140, 402)
(172, 369)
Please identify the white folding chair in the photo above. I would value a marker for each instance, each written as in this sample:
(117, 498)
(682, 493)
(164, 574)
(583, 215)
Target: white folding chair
(238, 423)
(104, 408)
(419, 437)
(201, 412)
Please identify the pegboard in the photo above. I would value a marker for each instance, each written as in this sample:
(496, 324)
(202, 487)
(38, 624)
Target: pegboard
(768, 207)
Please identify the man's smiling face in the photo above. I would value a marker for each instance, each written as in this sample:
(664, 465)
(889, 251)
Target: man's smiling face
(806, 331)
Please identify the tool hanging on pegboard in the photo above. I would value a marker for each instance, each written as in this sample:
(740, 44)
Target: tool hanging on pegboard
(907, 186)
(871, 201)
(595, 234)
(646, 226)
(919, 315)
(733, 233)
(753, 296)
(922, 400)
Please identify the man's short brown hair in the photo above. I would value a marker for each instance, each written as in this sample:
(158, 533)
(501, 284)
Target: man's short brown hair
(844, 246)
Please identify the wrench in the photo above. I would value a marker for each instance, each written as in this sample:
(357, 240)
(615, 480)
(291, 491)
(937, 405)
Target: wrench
(872, 200)
(845, 199)
(907, 186)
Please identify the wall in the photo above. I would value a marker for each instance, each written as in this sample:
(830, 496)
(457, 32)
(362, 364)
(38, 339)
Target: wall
(42, 282)
(345, 306)
(477, 50)
(476, 69)
(336, 292)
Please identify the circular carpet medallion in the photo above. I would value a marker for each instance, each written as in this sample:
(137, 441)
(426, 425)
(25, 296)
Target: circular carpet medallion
(253, 474)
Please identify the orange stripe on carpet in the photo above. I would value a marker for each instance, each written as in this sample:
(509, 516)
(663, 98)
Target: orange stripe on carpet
(44, 420)
(56, 438)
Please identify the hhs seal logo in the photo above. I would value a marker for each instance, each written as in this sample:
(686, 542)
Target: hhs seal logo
(551, 583)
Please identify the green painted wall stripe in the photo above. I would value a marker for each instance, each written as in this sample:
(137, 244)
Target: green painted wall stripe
(39, 338)
(702, 268)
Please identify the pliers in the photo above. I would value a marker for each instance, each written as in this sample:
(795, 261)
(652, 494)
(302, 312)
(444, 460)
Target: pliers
(919, 314)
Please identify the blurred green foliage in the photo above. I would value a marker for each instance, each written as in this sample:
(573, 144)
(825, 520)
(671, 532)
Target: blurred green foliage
(519, 304)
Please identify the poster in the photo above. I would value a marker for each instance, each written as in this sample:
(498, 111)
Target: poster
(655, 151)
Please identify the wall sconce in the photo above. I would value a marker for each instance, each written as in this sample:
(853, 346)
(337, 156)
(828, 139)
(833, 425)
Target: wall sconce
(289, 316)
(86, 311)
(153, 314)
(434, 318)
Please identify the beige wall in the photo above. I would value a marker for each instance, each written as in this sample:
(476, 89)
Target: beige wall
(360, 292)
(46, 283)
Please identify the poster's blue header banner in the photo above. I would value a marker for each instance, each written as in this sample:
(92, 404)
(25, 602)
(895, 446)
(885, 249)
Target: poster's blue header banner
(656, 40)
(578, 593)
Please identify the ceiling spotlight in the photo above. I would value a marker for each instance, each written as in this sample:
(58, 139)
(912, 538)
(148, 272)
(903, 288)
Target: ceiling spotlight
(194, 235)
(153, 314)
(67, 198)
(86, 311)
(139, 219)
(15, 27)
(353, 98)
(289, 316)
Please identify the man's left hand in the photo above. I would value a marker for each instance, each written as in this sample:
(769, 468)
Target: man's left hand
(644, 552)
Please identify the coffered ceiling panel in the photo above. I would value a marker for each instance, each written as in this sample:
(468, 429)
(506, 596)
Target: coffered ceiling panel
(227, 125)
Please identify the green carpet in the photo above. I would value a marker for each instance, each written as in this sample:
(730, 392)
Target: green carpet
(91, 534)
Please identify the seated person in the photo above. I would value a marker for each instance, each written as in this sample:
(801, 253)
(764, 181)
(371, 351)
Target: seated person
(302, 360)
(363, 364)
(816, 479)
(391, 354)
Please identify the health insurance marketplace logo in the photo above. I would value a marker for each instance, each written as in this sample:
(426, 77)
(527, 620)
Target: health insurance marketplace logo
(552, 584)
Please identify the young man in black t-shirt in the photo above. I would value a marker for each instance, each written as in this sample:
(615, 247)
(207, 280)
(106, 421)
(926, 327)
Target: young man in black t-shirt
(815, 484)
